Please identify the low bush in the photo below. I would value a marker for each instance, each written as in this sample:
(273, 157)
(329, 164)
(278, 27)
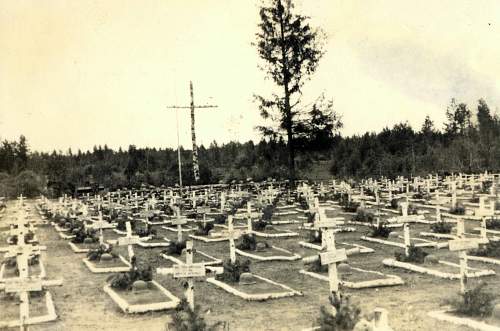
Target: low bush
(232, 271)
(493, 224)
(350, 206)
(204, 228)
(248, 243)
(267, 213)
(259, 225)
(491, 249)
(458, 210)
(316, 266)
(315, 237)
(395, 204)
(220, 218)
(185, 319)
(441, 227)
(415, 255)
(380, 231)
(364, 216)
(95, 254)
(123, 281)
(346, 317)
(175, 248)
(474, 302)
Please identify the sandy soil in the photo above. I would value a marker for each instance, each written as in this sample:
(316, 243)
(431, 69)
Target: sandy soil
(82, 305)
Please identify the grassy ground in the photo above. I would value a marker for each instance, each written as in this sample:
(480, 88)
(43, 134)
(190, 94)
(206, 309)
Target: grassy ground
(82, 305)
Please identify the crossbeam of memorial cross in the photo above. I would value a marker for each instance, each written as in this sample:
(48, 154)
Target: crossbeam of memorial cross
(179, 221)
(25, 284)
(188, 271)
(129, 240)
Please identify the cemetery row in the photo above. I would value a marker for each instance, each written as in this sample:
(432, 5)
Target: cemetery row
(355, 238)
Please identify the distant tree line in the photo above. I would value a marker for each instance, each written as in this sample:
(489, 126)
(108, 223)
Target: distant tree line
(469, 142)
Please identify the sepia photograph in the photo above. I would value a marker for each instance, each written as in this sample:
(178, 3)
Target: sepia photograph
(248, 165)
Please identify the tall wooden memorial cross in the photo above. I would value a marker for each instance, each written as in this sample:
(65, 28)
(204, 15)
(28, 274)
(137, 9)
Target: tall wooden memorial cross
(179, 221)
(232, 234)
(331, 257)
(129, 240)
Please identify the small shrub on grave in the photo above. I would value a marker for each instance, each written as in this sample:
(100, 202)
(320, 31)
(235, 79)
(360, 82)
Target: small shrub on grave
(34, 260)
(310, 217)
(83, 234)
(493, 224)
(395, 203)
(350, 206)
(415, 255)
(346, 317)
(95, 254)
(474, 302)
(220, 218)
(458, 210)
(474, 200)
(233, 271)
(364, 216)
(412, 210)
(267, 213)
(259, 225)
(175, 248)
(248, 243)
(380, 231)
(145, 232)
(316, 266)
(122, 224)
(185, 319)
(123, 281)
(315, 237)
(491, 249)
(10, 262)
(441, 227)
(204, 228)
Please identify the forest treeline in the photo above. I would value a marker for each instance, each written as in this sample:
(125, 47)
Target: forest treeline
(468, 142)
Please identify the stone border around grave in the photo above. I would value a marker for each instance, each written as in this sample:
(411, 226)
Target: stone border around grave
(41, 275)
(64, 236)
(446, 316)
(483, 259)
(77, 250)
(351, 251)
(146, 244)
(92, 267)
(402, 245)
(436, 273)
(174, 229)
(275, 235)
(257, 297)
(208, 239)
(143, 308)
(389, 280)
(49, 317)
(293, 257)
(215, 261)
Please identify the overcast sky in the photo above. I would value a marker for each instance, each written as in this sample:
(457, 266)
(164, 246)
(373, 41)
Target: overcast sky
(82, 73)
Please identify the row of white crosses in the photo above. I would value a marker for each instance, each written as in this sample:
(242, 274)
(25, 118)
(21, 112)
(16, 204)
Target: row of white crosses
(24, 284)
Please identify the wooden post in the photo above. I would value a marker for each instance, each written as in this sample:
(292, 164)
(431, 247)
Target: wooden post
(190, 287)
(462, 245)
(179, 222)
(232, 247)
(406, 230)
(249, 217)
